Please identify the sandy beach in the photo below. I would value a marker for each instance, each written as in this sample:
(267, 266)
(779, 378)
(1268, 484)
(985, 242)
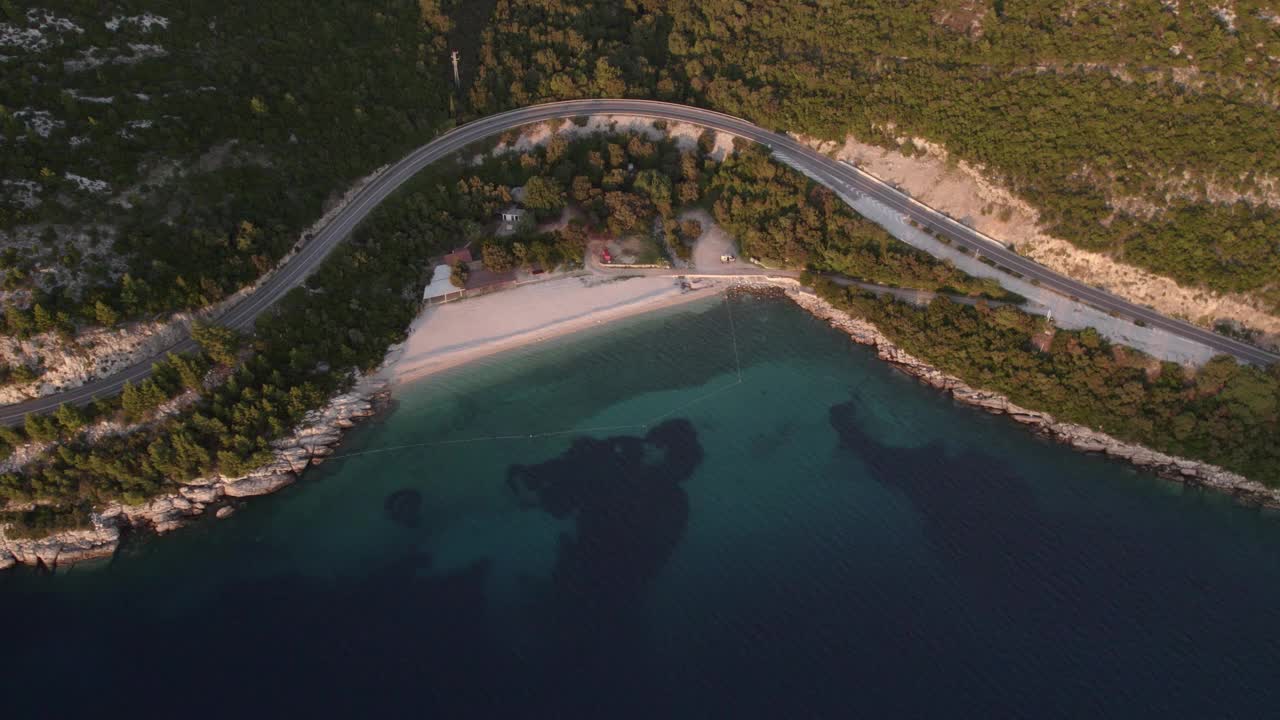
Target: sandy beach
(445, 336)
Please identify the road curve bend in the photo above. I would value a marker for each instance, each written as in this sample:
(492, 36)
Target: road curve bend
(834, 174)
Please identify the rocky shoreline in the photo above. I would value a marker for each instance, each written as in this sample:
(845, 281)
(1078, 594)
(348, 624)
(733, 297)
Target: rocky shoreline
(1190, 472)
(310, 444)
(314, 440)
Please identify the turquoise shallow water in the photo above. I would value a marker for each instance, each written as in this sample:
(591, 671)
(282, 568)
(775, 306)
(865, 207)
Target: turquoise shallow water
(721, 509)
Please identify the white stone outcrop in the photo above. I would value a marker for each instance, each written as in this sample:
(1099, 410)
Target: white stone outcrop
(65, 548)
(261, 485)
(203, 494)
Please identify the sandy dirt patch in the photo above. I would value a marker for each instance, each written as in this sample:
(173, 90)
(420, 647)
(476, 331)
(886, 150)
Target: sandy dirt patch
(685, 135)
(635, 250)
(449, 335)
(712, 244)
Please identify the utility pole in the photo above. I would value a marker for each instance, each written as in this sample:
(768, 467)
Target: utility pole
(454, 56)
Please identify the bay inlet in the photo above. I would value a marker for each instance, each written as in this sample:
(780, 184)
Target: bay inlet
(722, 508)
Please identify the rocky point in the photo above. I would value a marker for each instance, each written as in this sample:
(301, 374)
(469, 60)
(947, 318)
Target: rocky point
(308, 445)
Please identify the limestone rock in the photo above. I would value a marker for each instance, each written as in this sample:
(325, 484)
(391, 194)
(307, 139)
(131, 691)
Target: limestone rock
(164, 513)
(66, 547)
(1028, 417)
(1087, 443)
(319, 439)
(262, 485)
(277, 466)
(988, 401)
(295, 457)
(225, 512)
(1143, 458)
(201, 493)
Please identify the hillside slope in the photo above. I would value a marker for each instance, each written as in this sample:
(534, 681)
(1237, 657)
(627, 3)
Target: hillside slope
(1142, 130)
(159, 156)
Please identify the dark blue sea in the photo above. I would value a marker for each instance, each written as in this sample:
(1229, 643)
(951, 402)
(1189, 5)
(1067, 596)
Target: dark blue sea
(721, 510)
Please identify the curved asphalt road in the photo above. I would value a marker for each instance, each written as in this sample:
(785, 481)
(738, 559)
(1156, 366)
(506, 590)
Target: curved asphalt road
(832, 173)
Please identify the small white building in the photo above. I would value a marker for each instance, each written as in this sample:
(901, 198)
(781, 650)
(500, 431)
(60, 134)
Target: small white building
(514, 219)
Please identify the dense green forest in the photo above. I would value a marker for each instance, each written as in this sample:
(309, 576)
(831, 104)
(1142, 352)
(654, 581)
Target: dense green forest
(1081, 111)
(1223, 412)
(782, 217)
(219, 133)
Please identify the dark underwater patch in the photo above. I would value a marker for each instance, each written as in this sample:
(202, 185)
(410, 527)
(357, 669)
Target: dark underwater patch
(630, 510)
(975, 507)
(404, 507)
(984, 521)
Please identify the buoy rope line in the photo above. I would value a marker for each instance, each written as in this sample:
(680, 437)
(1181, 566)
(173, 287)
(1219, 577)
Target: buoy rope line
(733, 337)
(737, 362)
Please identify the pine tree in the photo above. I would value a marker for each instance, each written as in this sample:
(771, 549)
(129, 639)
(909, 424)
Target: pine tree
(104, 314)
(221, 344)
(43, 320)
(69, 417)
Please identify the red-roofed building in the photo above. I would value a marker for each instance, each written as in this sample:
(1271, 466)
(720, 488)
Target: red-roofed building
(457, 256)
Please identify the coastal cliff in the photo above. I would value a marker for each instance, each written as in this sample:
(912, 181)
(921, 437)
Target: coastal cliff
(1079, 437)
(308, 445)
